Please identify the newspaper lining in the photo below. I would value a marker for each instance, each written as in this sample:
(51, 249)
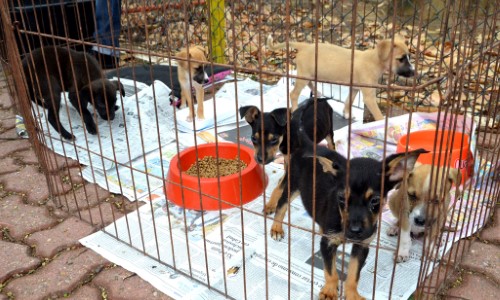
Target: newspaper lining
(292, 268)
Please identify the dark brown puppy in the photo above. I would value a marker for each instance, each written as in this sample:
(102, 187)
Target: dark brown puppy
(344, 211)
(49, 71)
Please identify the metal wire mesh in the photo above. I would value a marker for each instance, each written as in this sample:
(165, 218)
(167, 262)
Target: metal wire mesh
(453, 46)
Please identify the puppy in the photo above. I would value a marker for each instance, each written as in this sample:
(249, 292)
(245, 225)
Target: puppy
(344, 210)
(335, 65)
(420, 204)
(49, 71)
(269, 129)
(192, 73)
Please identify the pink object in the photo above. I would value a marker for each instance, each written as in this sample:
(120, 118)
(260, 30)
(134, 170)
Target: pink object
(219, 76)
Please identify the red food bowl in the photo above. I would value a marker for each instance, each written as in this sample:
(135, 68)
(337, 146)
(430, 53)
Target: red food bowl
(447, 149)
(234, 190)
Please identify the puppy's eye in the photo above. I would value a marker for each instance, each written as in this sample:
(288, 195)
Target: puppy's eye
(274, 141)
(374, 202)
(412, 197)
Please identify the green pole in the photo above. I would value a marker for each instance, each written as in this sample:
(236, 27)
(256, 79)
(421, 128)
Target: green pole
(218, 29)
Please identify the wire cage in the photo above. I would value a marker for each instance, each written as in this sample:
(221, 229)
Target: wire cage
(261, 248)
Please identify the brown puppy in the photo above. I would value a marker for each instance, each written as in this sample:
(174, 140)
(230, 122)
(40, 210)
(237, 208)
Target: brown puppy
(420, 203)
(192, 74)
(335, 65)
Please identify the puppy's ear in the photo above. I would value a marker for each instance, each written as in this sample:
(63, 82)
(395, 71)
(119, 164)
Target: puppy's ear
(183, 54)
(328, 165)
(384, 49)
(399, 163)
(119, 87)
(250, 113)
(280, 116)
(87, 91)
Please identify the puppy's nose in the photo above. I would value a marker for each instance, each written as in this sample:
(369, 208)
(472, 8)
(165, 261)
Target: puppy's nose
(258, 158)
(420, 220)
(355, 228)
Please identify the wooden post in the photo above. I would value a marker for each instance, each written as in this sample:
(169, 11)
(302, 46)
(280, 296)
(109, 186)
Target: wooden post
(217, 30)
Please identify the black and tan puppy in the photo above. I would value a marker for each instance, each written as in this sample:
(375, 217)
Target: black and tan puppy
(421, 204)
(335, 65)
(269, 129)
(52, 70)
(344, 210)
(192, 73)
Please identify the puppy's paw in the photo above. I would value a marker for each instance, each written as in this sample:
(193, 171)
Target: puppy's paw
(68, 136)
(92, 129)
(355, 296)
(328, 292)
(393, 231)
(200, 117)
(401, 258)
(403, 254)
(189, 119)
(269, 209)
(277, 232)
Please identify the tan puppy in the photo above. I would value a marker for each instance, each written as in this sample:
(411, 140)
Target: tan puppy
(193, 74)
(334, 64)
(421, 204)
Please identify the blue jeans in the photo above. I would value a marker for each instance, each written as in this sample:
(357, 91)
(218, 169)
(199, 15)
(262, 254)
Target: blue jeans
(108, 25)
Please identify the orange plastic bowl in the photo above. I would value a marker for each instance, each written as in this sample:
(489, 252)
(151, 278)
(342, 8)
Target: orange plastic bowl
(460, 157)
(234, 190)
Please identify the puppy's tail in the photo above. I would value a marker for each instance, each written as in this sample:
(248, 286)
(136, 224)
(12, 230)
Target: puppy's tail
(272, 46)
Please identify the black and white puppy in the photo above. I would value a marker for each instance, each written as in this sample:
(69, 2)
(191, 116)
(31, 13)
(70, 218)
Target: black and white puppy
(51, 70)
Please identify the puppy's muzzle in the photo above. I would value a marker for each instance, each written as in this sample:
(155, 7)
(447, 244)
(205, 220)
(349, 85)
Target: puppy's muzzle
(406, 69)
(200, 76)
(419, 221)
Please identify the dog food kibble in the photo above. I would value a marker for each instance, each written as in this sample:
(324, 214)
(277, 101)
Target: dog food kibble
(208, 167)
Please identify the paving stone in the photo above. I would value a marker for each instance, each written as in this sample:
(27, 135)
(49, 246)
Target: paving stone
(64, 235)
(73, 175)
(85, 292)
(5, 99)
(123, 203)
(439, 278)
(9, 134)
(84, 197)
(28, 180)
(22, 219)
(59, 277)
(475, 287)
(56, 162)
(491, 232)
(28, 157)
(9, 147)
(101, 215)
(8, 124)
(15, 259)
(485, 259)
(456, 252)
(8, 165)
(122, 284)
(7, 114)
(33, 183)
